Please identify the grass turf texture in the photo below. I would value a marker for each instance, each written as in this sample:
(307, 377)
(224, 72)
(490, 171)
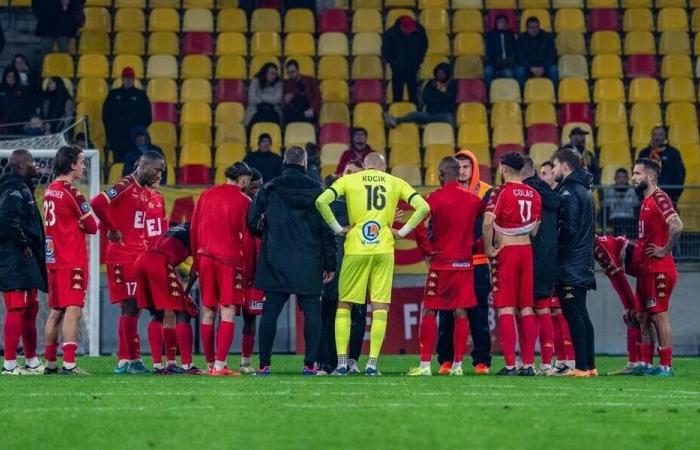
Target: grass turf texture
(105, 411)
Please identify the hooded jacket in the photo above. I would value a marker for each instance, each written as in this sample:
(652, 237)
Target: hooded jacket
(576, 231)
(500, 49)
(544, 244)
(404, 51)
(483, 191)
(21, 226)
(135, 153)
(437, 101)
(297, 245)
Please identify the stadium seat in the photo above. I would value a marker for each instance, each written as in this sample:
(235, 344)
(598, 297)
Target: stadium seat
(566, 131)
(674, 42)
(626, 4)
(603, 19)
(542, 152)
(97, 19)
(467, 20)
(229, 113)
(672, 19)
(232, 133)
(541, 14)
(438, 133)
(471, 91)
(676, 66)
(126, 43)
(265, 19)
(232, 20)
(366, 20)
(405, 155)
(163, 3)
(573, 90)
(501, 150)
(367, 68)
(606, 66)
(334, 133)
(164, 19)
(539, 90)
(306, 65)
(332, 20)
(231, 43)
(164, 112)
(609, 90)
(198, 20)
(299, 44)
(644, 90)
(61, 65)
(196, 90)
(615, 154)
(691, 158)
(116, 171)
(426, 4)
(333, 68)
(562, 4)
(228, 153)
(649, 113)
(504, 90)
(198, 43)
(506, 113)
(500, 4)
(409, 173)
(679, 90)
(196, 66)
(542, 132)
(399, 109)
(507, 134)
(540, 113)
(335, 91)
(613, 134)
(195, 165)
(367, 91)
(640, 135)
(140, 4)
(195, 113)
(164, 136)
(605, 43)
(570, 43)
(467, 4)
(681, 113)
(270, 128)
(610, 113)
(435, 19)
(429, 64)
(637, 66)
(299, 134)
(471, 113)
(231, 67)
(265, 43)
(474, 136)
(569, 20)
(575, 112)
(469, 44)
(259, 61)
(98, 42)
(89, 66)
(334, 113)
(161, 66)
(163, 43)
(366, 114)
(333, 44)
(573, 66)
(203, 4)
(370, 44)
(637, 19)
(92, 90)
(438, 43)
(405, 133)
(640, 43)
(434, 153)
(121, 62)
(468, 67)
(679, 135)
(299, 20)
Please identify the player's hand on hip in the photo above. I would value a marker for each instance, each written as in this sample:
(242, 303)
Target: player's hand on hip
(656, 251)
(114, 236)
(344, 231)
(398, 215)
(396, 233)
(493, 252)
(328, 277)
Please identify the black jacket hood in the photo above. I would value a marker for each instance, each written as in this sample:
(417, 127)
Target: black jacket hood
(295, 196)
(580, 176)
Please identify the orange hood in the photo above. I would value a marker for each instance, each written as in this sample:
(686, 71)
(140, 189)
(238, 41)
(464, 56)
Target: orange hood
(475, 185)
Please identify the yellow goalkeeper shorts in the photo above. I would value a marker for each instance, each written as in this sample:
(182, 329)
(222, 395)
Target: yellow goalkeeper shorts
(363, 274)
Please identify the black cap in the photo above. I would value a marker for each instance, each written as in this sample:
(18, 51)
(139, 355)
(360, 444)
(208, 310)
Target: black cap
(578, 130)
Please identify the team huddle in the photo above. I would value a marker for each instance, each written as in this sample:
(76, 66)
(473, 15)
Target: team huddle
(531, 239)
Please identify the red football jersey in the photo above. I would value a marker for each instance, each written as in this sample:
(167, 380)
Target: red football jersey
(654, 214)
(123, 208)
(156, 218)
(67, 219)
(517, 208)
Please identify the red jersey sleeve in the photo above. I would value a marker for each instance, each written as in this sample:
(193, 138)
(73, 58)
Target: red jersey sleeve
(82, 210)
(100, 203)
(664, 204)
(492, 204)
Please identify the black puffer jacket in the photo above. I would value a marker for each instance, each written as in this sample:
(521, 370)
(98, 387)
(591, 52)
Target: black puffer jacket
(544, 244)
(20, 227)
(297, 245)
(404, 52)
(576, 230)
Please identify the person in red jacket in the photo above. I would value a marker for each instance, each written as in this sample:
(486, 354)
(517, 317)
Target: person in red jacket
(218, 242)
(302, 99)
(359, 149)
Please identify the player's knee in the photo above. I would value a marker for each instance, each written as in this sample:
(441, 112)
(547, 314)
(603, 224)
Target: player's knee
(542, 311)
(228, 313)
(428, 312)
(460, 312)
(502, 311)
(526, 312)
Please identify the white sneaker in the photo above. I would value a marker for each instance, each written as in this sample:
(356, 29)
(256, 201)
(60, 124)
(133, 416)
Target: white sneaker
(247, 370)
(456, 371)
(321, 373)
(16, 371)
(38, 370)
(352, 366)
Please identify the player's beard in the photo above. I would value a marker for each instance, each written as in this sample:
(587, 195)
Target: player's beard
(641, 187)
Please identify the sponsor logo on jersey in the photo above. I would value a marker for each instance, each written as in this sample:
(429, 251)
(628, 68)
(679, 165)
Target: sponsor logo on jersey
(370, 232)
(85, 208)
(111, 193)
(461, 265)
(50, 250)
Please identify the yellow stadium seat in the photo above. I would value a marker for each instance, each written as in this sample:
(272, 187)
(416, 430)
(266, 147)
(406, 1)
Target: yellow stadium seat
(569, 20)
(533, 4)
(696, 44)
(129, 19)
(196, 66)
(298, 134)
(435, 19)
(333, 68)
(640, 43)
(432, 177)
(231, 67)
(674, 42)
(605, 43)
(610, 112)
(162, 90)
(471, 113)
(647, 113)
(195, 132)
(198, 20)
(601, 4)
(615, 154)
(270, 128)
(409, 173)
(573, 90)
(61, 65)
(626, 4)
(644, 90)
(672, 19)
(129, 43)
(473, 136)
(438, 133)
(507, 134)
(163, 43)
(638, 19)
(542, 152)
(141, 4)
(228, 153)
(399, 3)
(570, 43)
(194, 153)
(115, 173)
(467, 4)
(607, 176)
(92, 66)
(691, 158)
(196, 90)
(573, 66)
(606, 66)
(195, 113)
(120, 62)
(266, 43)
(500, 4)
(335, 91)
(506, 113)
(367, 44)
(265, 19)
(613, 134)
(540, 113)
(164, 19)
(91, 109)
(640, 135)
(467, 20)
(91, 90)
(161, 66)
(609, 90)
(367, 21)
(541, 14)
(572, 4)
(376, 138)
(405, 133)
(504, 90)
(438, 43)
(330, 156)
(399, 109)
(393, 14)
(695, 20)
(676, 66)
(367, 114)
(469, 66)
(164, 3)
(228, 113)
(367, 68)
(94, 42)
(231, 43)
(299, 44)
(681, 113)
(258, 61)
(680, 135)
(231, 133)
(334, 113)
(539, 90)
(679, 90)
(204, 4)
(233, 20)
(429, 64)
(299, 20)
(405, 154)
(469, 44)
(434, 153)
(333, 44)
(97, 19)
(427, 4)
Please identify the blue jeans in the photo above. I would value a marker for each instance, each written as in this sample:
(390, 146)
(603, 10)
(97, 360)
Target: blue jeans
(523, 73)
(491, 73)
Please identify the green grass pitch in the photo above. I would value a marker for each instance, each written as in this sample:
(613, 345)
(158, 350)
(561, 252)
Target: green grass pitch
(286, 411)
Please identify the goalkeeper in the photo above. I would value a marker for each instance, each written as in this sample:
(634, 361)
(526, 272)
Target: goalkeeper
(368, 265)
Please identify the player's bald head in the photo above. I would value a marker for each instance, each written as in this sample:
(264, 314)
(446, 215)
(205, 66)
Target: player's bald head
(449, 169)
(528, 169)
(21, 162)
(375, 161)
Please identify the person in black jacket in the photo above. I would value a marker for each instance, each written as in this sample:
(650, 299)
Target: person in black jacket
(125, 108)
(575, 255)
(404, 46)
(22, 262)
(670, 160)
(536, 54)
(264, 159)
(58, 21)
(439, 97)
(544, 247)
(500, 51)
(298, 254)
(577, 141)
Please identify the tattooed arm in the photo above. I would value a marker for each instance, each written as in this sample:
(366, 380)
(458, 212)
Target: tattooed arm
(675, 228)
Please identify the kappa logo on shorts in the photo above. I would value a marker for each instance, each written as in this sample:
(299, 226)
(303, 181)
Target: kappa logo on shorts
(370, 231)
(50, 250)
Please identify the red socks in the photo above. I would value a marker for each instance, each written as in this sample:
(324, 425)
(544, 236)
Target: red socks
(247, 345)
(665, 356)
(528, 328)
(634, 336)
(69, 349)
(562, 339)
(507, 334)
(50, 352)
(155, 341)
(183, 333)
(207, 332)
(170, 343)
(426, 336)
(29, 329)
(224, 339)
(12, 332)
(546, 333)
(131, 335)
(646, 353)
(459, 338)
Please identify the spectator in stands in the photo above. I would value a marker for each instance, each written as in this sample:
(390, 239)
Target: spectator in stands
(500, 51)
(141, 143)
(404, 46)
(125, 108)
(670, 160)
(264, 98)
(58, 21)
(81, 141)
(268, 163)
(302, 99)
(36, 126)
(57, 106)
(15, 102)
(620, 202)
(28, 78)
(358, 150)
(536, 54)
(577, 141)
(439, 98)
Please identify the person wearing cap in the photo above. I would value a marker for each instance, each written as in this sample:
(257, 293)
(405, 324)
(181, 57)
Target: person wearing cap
(577, 142)
(265, 160)
(124, 108)
(670, 160)
(404, 46)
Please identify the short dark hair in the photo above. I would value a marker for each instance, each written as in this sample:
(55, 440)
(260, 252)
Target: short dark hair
(264, 136)
(514, 160)
(528, 165)
(294, 155)
(356, 163)
(623, 170)
(549, 164)
(151, 156)
(532, 19)
(65, 157)
(501, 17)
(292, 62)
(236, 170)
(255, 175)
(649, 164)
(571, 157)
(358, 130)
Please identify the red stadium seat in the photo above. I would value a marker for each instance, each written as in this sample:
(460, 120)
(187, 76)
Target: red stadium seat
(194, 174)
(164, 112)
(471, 91)
(542, 132)
(231, 91)
(644, 66)
(333, 20)
(509, 13)
(485, 174)
(272, 4)
(367, 91)
(502, 150)
(575, 112)
(198, 43)
(334, 133)
(603, 19)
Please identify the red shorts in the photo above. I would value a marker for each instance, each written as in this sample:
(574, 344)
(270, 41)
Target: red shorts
(67, 287)
(254, 299)
(221, 284)
(654, 290)
(448, 290)
(554, 302)
(548, 302)
(19, 299)
(158, 285)
(122, 282)
(512, 277)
